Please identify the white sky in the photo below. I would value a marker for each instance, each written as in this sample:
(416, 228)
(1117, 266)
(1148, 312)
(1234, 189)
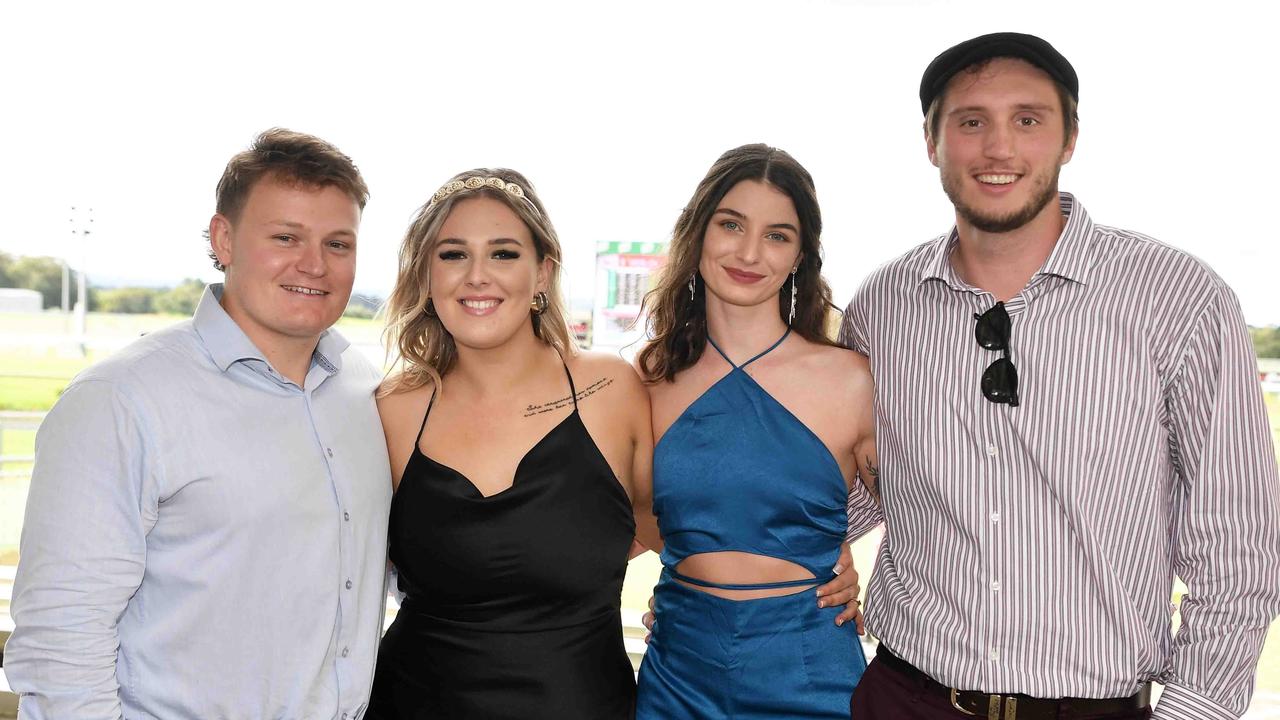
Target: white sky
(615, 111)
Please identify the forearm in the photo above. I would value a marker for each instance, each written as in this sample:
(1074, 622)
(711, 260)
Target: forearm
(1227, 531)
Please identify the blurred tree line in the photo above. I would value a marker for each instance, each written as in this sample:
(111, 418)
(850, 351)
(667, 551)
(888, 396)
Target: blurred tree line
(44, 275)
(1266, 341)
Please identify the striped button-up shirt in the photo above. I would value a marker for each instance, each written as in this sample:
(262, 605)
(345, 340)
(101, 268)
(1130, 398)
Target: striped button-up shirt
(1032, 549)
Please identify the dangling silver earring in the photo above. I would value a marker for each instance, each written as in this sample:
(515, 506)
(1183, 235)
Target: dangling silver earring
(792, 316)
(692, 283)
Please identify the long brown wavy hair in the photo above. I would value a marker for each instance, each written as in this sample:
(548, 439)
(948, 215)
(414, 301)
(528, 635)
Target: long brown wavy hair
(677, 325)
(426, 351)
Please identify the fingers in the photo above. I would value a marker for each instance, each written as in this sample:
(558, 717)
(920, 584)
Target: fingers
(845, 560)
(647, 620)
(852, 611)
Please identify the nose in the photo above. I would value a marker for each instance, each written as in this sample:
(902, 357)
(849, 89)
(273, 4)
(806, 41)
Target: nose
(749, 248)
(311, 261)
(477, 273)
(999, 142)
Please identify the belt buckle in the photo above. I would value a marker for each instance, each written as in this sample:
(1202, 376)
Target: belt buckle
(993, 706)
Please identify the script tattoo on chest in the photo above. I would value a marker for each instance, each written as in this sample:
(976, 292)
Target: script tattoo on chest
(583, 394)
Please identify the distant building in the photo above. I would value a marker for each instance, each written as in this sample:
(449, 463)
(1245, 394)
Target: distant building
(18, 300)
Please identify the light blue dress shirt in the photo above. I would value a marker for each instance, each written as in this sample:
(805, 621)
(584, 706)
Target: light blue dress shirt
(204, 538)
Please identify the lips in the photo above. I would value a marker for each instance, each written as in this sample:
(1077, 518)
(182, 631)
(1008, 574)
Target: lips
(743, 276)
(997, 178)
(483, 305)
(303, 290)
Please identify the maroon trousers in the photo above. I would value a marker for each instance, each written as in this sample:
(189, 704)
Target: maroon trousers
(886, 694)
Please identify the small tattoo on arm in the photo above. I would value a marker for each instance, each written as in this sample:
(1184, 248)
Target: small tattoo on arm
(872, 481)
(583, 394)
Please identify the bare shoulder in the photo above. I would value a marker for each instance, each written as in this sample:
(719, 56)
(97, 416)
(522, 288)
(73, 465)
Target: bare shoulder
(838, 370)
(404, 410)
(606, 373)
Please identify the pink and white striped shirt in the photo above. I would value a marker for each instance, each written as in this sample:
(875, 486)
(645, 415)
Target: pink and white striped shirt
(1032, 549)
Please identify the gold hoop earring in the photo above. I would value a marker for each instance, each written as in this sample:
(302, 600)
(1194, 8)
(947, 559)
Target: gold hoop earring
(539, 303)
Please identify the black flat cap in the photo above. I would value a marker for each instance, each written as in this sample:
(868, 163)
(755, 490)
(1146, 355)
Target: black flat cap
(1006, 44)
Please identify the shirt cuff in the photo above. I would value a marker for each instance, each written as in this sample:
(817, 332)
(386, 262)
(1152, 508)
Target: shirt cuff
(1180, 703)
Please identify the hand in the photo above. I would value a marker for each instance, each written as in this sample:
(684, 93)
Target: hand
(647, 621)
(843, 590)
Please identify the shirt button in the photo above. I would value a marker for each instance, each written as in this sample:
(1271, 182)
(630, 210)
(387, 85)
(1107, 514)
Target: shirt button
(344, 716)
(346, 651)
(330, 451)
(995, 517)
(991, 450)
(346, 516)
(995, 586)
(348, 584)
(994, 654)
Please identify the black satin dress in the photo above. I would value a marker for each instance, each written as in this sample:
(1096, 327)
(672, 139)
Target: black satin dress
(512, 607)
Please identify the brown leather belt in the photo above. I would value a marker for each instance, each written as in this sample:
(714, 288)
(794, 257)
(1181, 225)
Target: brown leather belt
(1015, 706)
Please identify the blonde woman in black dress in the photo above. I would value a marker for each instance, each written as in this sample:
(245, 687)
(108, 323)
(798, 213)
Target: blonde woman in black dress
(516, 462)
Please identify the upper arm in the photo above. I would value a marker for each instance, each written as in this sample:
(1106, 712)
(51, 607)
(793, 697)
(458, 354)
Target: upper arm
(92, 499)
(402, 414)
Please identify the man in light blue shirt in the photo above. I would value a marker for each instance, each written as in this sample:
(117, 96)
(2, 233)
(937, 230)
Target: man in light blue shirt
(206, 529)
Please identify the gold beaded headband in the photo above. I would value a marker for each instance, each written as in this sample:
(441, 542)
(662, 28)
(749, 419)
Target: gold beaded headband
(475, 183)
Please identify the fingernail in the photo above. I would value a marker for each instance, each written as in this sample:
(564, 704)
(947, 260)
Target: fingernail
(839, 622)
(821, 603)
(837, 569)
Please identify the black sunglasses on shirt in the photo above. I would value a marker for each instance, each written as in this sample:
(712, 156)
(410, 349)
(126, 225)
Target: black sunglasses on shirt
(1000, 380)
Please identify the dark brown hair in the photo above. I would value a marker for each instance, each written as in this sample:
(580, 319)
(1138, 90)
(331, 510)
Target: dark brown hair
(290, 157)
(677, 325)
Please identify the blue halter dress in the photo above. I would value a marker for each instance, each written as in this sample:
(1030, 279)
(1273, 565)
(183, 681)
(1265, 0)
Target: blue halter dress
(737, 471)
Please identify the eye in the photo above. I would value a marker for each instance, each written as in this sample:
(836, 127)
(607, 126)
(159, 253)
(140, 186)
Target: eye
(339, 245)
(505, 254)
(971, 123)
(282, 238)
(452, 255)
(778, 237)
(1028, 121)
(730, 225)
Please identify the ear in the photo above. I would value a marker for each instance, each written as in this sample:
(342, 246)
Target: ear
(544, 273)
(931, 147)
(799, 259)
(220, 238)
(1070, 148)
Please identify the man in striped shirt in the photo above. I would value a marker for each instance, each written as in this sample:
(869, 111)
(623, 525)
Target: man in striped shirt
(1068, 417)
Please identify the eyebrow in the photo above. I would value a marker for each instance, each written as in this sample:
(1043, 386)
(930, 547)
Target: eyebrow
(294, 225)
(735, 213)
(1041, 107)
(495, 241)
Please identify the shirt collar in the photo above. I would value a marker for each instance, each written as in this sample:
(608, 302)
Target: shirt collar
(227, 344)
(1069, 258)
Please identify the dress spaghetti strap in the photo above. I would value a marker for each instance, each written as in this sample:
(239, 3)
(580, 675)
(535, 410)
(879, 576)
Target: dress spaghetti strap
(756, 357)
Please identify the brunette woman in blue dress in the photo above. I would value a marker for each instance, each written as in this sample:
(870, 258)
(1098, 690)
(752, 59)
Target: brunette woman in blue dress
(763, 425)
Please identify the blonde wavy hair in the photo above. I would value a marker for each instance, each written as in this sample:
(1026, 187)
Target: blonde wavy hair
(424, 349)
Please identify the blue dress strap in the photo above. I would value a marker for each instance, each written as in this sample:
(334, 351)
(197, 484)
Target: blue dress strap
(757, 355)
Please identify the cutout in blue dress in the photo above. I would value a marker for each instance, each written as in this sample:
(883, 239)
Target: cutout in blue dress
(737, 471)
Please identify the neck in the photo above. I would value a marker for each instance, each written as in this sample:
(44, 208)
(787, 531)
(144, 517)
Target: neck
(291, 359)
(1002, 263)
(496, 371)
(742, 332)
(290, 356)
